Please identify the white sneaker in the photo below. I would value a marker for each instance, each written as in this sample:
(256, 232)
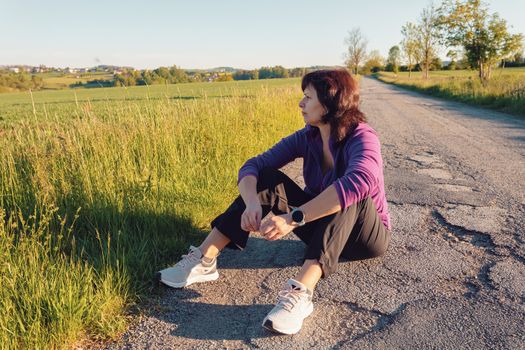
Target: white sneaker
(189, 270)
(293, 306)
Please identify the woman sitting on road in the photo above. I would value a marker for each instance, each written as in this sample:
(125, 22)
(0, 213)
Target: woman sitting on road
(342, 212)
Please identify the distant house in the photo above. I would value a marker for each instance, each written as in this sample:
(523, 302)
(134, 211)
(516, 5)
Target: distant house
(14, 69)
(39, 69)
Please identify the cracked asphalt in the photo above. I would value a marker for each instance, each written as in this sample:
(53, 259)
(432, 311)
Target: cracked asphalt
(453, 277)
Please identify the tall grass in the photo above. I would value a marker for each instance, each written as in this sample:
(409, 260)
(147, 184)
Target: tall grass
(504, 92)
(94, 198)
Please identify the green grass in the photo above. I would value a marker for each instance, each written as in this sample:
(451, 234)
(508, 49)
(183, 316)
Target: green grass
(505, 91)
(96, 196)
(15, 105)
(63, 81)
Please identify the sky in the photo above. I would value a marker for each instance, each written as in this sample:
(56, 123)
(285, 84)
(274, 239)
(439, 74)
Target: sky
(204, 34)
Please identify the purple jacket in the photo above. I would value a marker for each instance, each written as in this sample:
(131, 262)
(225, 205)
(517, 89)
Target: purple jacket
(358, 166)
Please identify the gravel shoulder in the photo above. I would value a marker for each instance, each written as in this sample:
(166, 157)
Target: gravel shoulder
(453, 277)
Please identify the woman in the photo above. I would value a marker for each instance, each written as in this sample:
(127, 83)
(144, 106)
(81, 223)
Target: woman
(342, 212)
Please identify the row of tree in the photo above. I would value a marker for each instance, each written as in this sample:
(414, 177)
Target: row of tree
(19, 81)
(176, 75)
(161, 75)
(375, 62)
(269, 73)
(464, 26)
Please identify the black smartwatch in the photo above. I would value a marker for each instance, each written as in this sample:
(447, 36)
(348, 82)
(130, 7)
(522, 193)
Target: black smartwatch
(298, 216)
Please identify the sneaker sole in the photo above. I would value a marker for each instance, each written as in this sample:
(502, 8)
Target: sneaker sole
(268, 324)
(197, 279)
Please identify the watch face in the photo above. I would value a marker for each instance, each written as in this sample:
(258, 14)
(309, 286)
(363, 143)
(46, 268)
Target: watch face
(297, 216)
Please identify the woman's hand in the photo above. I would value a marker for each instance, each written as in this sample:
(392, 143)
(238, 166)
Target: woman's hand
(251, 218)
(278, 226)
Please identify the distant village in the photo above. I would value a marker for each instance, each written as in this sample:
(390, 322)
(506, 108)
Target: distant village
(67, 70)
(24, 77)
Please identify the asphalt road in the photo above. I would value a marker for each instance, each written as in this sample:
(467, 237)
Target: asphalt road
(453, 277)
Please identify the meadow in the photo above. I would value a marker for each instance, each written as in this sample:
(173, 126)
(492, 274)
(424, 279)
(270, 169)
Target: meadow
(55, 81)
(100, 188)
(18, 105)
(505, 91)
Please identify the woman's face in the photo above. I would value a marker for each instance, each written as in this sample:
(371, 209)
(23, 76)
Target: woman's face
(311, 108)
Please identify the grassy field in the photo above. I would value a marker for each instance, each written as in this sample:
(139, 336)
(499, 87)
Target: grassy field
(20, 104)
(505, 91)
(100, 190)
(56, 81)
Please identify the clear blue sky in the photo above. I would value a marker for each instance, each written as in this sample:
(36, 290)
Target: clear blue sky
(204, 33)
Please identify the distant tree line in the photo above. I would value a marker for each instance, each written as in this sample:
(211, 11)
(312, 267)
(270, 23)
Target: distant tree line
(176, 75)
(269, 73)
(161, 75)
(10, 81)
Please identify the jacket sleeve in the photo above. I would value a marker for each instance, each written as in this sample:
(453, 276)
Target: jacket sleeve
(280, 154)
(362, 171)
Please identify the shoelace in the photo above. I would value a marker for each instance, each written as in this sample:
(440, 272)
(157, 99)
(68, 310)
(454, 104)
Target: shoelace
(187, 258)
(289, 297)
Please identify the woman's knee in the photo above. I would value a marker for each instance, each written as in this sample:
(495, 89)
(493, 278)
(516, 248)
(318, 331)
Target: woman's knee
(269, 177)
(381, 248)
(268, 172)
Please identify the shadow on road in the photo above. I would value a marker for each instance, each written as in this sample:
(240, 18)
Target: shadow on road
(218, 322)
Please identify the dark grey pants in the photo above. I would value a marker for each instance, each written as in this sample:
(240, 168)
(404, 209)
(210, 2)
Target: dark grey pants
(354, 233)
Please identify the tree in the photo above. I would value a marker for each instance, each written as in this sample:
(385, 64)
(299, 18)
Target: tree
(356, 53)
(147, 77)
(410, 45)
(518, 57)
(265, 73)
(246, 75)
(513, 46)
(463, 62)
(36, 82)
(484, 37)
(273, 72)
(279, 72)
(178, 75)
(225, 77)
(297, 72)
(429, 36)
(254, 74)
(394, 58)
(436, 64)
(453, 55)
(374, 63)
(163, 74)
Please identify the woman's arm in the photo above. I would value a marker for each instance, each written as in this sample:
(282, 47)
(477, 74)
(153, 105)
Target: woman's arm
(363, 170)
(248, 189)
(326, 203)
(361, 175)
(280, 154)
(252, 215)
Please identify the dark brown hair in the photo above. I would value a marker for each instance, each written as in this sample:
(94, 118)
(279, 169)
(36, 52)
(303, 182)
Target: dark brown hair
(338, 92)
